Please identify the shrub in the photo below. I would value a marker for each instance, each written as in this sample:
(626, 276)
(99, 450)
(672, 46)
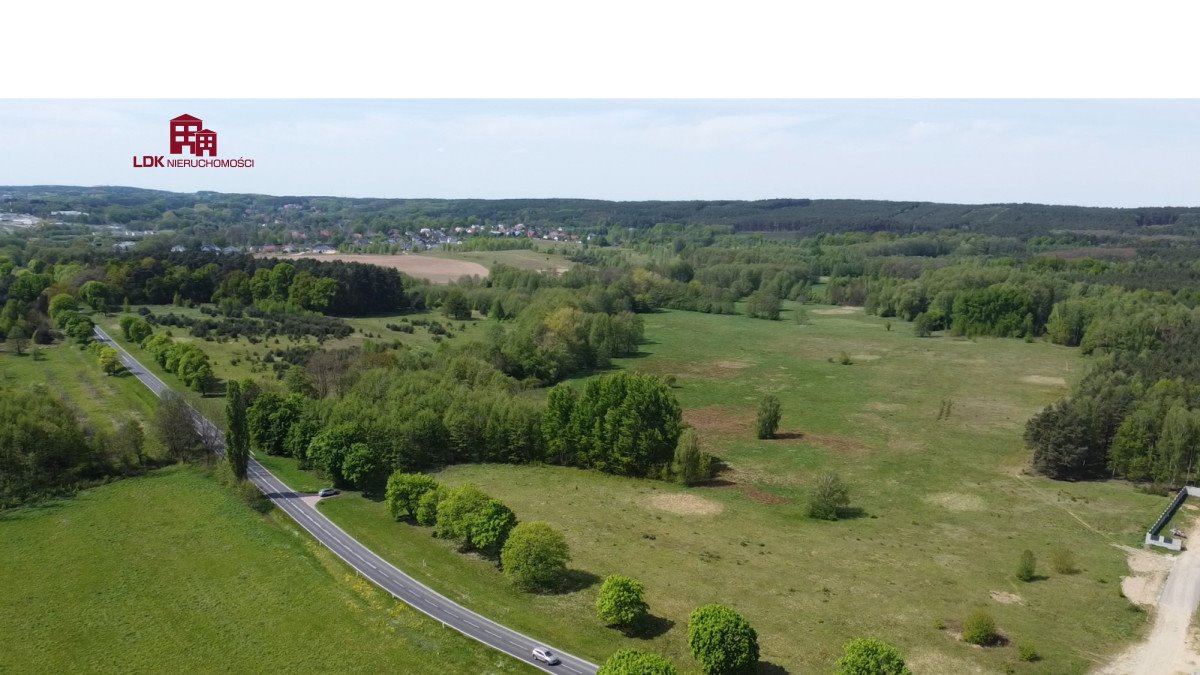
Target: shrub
(1063, 562)
(768, 417)
(980, 628)
(535, 556)
(636, 662)
(829, 497)
(1026, 566)
(868, 656)
(722, 640)
(1028, 653)
(404, 492)
(620, 602)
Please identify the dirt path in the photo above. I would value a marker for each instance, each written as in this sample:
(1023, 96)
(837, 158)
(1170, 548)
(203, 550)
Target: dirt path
(1166, 650)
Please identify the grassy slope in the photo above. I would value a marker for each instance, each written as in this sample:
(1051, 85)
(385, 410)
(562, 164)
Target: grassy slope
(171, 572)
(74, 375)
(947, 509)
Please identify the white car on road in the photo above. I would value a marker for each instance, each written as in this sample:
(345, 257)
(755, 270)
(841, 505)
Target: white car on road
(543, 654)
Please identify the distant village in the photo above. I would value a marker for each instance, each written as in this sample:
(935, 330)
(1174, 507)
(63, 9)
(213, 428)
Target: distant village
(317, 242)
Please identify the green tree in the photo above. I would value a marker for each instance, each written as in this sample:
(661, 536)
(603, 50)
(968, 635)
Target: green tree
(491, 527)
(829, 497)
(237, 436)
(110, 363)
(456, 305)
(621, 602)
(636, 662)
(722, 640)
(922, 325)
(535, 556)
(456, 513)
(764, 304)
(404, 492)
(297, 381)
(1027, 566)
(979, 628)
(18, 338)
(868, 656)
(627, 424)
(173, 422)
(427, 506)
(688, 458)
(62, 302)
(561, 446)
(364, 468)
(768, 417)
(95, 294)
(329, 448)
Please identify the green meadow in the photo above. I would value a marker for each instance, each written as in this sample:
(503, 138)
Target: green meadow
(926, 431)
(171, 572)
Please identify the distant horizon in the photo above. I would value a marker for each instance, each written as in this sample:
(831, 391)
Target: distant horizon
(1100, 153)
(594, 199)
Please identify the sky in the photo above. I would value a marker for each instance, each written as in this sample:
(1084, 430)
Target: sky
(1093, 153)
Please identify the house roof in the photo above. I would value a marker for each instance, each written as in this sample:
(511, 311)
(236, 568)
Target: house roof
(206, 131)
(185, 118)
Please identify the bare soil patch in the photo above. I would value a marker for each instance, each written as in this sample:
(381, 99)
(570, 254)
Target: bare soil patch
(956, 501)
(1006, 598)
(1149, 573)
(762, 497)
(1045, 380)
(842, 444)
(719, 418)
(437, 270)
(686, 505)
(848, 309)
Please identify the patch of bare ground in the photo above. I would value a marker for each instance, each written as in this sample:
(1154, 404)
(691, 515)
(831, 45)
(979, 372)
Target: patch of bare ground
(437, 270)
(1044, 380)
(685, 505)
(847, 309)
(719, 419)
(988, 414)
(956, 501)
(880, 406)
(762, 497)
(1150, 572)
(711, 370)
(1006, 598)
(840, 444)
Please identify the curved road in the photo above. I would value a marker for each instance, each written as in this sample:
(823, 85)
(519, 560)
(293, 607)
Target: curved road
(362, 559)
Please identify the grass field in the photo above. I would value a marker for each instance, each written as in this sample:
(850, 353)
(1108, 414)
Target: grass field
(541, 261)
(74, 375)
(170, 572)
(946, 505)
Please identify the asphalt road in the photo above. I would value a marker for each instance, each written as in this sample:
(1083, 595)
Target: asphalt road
(362, 559)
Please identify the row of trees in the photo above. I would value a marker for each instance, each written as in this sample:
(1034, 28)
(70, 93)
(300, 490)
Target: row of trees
(532, 555)
(184, 359)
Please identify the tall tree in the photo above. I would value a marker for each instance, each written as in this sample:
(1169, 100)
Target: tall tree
(237, 439)
(176, 429)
